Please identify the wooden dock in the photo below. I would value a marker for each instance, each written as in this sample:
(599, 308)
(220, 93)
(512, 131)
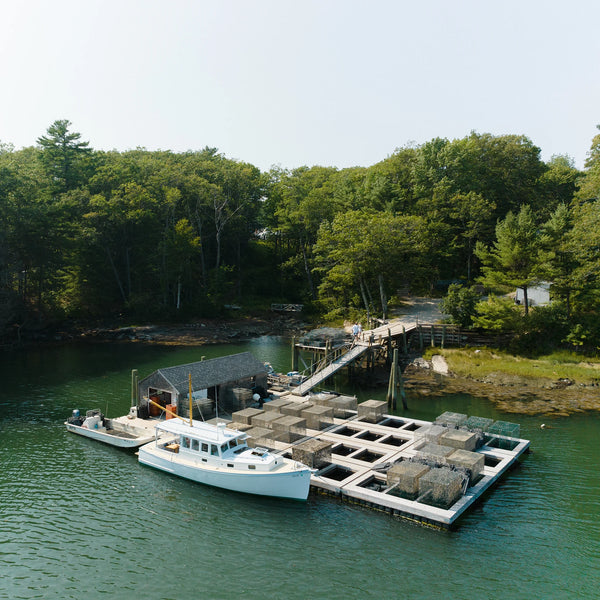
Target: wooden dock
(360, 450)
(376, 345)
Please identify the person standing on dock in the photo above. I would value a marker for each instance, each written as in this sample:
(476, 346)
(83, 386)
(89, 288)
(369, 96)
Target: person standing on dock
(359, 332)
(354, 332)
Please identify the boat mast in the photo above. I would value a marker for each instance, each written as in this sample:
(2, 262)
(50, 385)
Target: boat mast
(190, 381)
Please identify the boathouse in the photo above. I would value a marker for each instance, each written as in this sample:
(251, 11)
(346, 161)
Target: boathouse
(230, 380)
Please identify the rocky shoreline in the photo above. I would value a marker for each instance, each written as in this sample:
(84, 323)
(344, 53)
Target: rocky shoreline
(205, 331)
(517, 395)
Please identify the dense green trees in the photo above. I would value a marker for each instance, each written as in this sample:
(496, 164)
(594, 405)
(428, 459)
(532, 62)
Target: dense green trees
(160, 234)
(364, 256)
(513, 261)
(589, 186)
(97, 233)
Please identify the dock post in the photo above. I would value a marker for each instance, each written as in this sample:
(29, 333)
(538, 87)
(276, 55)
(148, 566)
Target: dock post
(134, 393)
(420, 337)
(433, 336)
(401, 386)
(404, 342)
(396, 384)
(391, 394)
(294, 355)
(443, 336)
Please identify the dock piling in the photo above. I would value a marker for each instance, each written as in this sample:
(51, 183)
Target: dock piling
(134, 387)
(294, 355)
(396, 385)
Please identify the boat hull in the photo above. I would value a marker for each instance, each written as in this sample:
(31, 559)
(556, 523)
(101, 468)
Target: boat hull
(283, 483)
(111, 439)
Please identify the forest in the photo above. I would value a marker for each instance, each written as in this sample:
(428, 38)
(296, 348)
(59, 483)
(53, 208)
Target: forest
(147, 235)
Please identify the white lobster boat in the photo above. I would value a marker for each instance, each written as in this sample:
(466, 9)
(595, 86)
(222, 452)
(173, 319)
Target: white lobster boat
(218, 456)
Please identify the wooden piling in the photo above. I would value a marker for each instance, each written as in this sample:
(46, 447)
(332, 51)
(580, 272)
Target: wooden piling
(402, 392)
(294, 355)
(134, 387)
(391, 393)
(396, 385)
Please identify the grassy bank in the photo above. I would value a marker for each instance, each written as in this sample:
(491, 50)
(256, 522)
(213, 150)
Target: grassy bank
(478, 363)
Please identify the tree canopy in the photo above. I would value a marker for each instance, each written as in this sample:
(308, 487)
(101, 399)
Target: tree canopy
(158, 234)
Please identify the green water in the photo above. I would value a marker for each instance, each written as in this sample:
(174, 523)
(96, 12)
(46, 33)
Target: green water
(82, 520)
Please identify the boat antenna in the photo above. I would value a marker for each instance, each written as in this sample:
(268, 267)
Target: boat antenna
(191, 408)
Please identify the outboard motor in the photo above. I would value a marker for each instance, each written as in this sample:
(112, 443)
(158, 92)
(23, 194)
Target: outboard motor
(75, 418)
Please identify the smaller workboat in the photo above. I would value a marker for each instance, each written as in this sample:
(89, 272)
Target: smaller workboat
(218, 456)
(127, 431)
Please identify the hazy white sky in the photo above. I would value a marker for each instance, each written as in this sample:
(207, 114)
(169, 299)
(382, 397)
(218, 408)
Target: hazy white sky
(329, 82)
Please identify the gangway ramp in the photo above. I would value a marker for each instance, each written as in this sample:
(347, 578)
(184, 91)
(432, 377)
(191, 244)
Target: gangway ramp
(330, 369)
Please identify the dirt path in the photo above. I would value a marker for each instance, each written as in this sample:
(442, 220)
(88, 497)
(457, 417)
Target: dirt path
(414, 310)
(423, 310)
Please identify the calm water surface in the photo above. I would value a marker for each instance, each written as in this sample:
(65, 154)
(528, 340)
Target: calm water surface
(81, 520)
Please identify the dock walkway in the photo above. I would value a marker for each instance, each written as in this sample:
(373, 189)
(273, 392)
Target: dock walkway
(339, 363)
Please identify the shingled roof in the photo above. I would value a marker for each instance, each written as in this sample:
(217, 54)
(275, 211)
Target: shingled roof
(209, 373)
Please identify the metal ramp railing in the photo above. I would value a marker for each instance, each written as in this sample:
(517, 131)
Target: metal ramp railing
(330, 369)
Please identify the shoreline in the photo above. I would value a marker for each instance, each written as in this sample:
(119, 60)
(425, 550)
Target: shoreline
(511, 394)
(515, 395)
(200, 332)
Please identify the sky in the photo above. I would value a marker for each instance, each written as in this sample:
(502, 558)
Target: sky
(308, 82)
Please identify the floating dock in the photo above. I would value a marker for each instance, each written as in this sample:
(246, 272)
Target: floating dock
(427, 472)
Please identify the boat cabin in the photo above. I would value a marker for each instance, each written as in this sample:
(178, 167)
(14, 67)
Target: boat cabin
(233, 381)
(216, 445)
(204, 438)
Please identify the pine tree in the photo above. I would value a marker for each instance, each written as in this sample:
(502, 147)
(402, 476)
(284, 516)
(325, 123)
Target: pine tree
(63, 155)
(514, 259)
